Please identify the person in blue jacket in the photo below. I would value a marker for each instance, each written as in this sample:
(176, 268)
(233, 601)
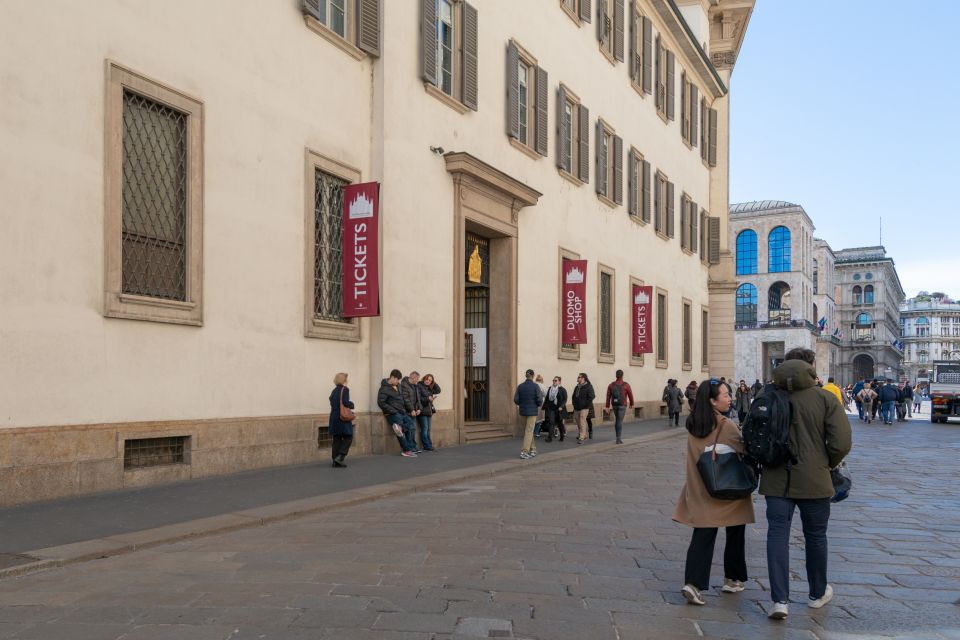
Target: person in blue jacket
(340, 430)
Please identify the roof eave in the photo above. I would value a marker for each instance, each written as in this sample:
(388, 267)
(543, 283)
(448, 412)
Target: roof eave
(670, 13)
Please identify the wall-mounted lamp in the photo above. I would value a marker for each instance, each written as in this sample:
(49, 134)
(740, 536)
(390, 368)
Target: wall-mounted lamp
(437, 150)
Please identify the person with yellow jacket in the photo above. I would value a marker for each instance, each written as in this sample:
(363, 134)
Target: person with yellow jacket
(832, 387)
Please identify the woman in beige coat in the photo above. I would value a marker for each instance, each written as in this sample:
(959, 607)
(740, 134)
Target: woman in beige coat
(698, 509)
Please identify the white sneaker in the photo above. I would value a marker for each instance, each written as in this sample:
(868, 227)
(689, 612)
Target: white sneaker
(778, 611)
(732, 586)
(533, 454)
(397, 429)
(524, 455)
(692, 594)
(824, 599)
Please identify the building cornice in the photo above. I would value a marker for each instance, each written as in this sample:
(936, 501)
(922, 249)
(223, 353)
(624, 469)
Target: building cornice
(670, 14)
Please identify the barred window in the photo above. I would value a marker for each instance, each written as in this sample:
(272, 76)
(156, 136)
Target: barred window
(661, 328)
(328, 246)
(704, 337)
(687, 336)
(153, 202)
(606, 313)
(154, 199)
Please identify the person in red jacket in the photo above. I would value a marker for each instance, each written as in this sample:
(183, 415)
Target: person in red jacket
(619, 397)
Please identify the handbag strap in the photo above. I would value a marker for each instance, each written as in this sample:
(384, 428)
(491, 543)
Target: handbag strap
(716, 439)
(341, 396)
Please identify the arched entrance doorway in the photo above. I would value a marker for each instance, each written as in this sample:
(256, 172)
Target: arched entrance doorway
(863, 367)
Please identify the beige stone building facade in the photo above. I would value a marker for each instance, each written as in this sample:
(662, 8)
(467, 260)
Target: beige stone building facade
(929, 330)
(171, 258)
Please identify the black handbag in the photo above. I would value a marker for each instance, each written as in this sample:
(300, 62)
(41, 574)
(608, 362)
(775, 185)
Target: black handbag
(726, 476)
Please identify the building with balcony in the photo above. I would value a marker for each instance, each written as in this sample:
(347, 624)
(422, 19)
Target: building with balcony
(171, 304)
(784, 293)
(869, 296)
(929, 330)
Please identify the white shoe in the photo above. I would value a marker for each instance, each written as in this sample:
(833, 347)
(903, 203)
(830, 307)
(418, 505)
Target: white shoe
(397, 429)
(524, 455)
(732, 586)
(824, 599)
(692, 594)
(778, 611)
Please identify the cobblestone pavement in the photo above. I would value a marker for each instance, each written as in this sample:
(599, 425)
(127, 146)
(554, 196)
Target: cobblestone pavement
(582, 549)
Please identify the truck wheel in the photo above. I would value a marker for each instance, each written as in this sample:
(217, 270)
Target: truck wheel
(934, 419)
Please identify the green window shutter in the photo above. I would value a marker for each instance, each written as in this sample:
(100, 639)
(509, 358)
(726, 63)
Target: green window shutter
(513, 96)
(670, 211)
(563, 135)
(671, 89)
(428, 40)
(602, 151)
(542, 130)
(713, 138)
(618, 28)
(714, 252)
(585, 10)
(471, 76)
(618, 169)
(368, 26)
(584, 143)
(694, 114)
(647, 55)
(645, 193)
(693, 227)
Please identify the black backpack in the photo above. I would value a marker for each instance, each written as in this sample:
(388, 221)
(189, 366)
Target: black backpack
(766, 429)
(616, 395)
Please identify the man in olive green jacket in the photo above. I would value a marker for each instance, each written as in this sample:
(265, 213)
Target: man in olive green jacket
(820, 438)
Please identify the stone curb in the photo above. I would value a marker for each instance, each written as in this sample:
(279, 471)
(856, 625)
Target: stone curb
(119, 544)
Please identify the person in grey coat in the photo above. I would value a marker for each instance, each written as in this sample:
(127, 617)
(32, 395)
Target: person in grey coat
(742, 402)
(674, 399)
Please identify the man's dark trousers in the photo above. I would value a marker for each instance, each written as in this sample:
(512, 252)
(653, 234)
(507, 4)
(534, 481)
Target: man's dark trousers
(814, 514)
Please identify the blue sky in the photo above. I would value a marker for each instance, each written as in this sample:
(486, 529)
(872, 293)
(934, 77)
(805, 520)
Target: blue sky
(851, 108)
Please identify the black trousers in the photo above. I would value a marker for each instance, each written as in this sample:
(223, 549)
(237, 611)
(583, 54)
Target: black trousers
(700, 556)
(552, 419)
(340, 447)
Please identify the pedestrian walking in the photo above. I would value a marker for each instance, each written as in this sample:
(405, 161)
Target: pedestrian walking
(541, 416)
(865, 402)
(428, 390)
(619, 398)
(917, 398)
(528, 399)
(674, 400)
(887, 397)
(908, 399)
(691, 394)
(554, 408)
(698, 509)
(876, 386)
(583, 396)
(857, 388)
(742, 401)
(901, 402)
(820, 438)
(390, 401)
(756, 388)
(832, 387)
(341, 422)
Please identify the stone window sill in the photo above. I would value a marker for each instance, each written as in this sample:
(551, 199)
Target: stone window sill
(333, 38)
(516, 144)
(607, 201)
(445, 98)
(661, 364)
(568, 354)
(330, 330)
(606, 358)
(569, 177)
(636, 361)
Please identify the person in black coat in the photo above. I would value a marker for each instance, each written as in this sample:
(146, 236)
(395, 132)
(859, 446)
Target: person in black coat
(554, 406)
(340, 430)
(583, 395)
(427, 390)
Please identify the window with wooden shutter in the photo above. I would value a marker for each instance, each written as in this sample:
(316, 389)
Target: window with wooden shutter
(618, 169)
(704, 130)
(541, 102)
(660, 204)
(449, 52)
(605, 26)
(351, 25)
(662, 319)
(527, 120)
(669, 196)
(647, 55)
(584, 144)
(585, 11)
(568, 133)
(684, 110)
(368, 26)
(660, 95)
(714, 250)
(693, 227)
(704, 334)
(618, 29)
(602, 151)
(687, 348)
(634, 182)
(712, 156)
(704, 233)
(684, 212)
(636, 46)
(645, 193)
(513, 98)
(694, 114)
(671, 89)
(606, 312)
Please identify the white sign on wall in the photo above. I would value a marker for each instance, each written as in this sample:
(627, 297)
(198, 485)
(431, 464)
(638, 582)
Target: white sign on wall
(479, 346)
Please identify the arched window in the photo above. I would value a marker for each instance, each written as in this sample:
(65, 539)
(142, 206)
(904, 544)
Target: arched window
(778, 302)
(868, 294)
(747, 305)
(778, 250)
(746, 252)
(864, 320)
(857, 296)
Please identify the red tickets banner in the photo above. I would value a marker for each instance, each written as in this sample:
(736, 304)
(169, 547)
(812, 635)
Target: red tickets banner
(642, 339)
(361, 276)
(574, 301)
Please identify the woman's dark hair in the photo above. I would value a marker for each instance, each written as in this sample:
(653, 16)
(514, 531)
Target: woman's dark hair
(702, 419)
